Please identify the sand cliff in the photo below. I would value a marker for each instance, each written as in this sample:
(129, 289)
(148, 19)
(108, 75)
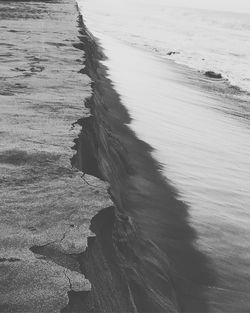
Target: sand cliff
(143, 257)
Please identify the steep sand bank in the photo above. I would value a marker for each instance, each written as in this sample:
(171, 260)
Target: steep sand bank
(143, 257)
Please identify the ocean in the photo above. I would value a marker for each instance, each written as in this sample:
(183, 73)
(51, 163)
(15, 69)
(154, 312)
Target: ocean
(202, 39)
(198, 127)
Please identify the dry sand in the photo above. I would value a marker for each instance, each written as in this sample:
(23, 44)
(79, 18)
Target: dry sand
(44, 202)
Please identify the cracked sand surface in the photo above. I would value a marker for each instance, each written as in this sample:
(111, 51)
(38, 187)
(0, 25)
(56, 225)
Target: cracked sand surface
(45, 206)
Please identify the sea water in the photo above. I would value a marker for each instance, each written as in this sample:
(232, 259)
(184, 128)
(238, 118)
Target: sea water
(199, 129)
(202, 39)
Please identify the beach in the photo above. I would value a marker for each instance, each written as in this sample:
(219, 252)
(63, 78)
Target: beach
(106, 206)
(47, 205)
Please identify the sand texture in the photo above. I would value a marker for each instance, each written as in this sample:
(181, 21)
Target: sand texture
(45, 205)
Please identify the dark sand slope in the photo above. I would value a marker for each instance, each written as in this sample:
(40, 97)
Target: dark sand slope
(143, 257)
(45, 206)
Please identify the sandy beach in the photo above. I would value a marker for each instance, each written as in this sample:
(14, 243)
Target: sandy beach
(134, 264)
(91, 219)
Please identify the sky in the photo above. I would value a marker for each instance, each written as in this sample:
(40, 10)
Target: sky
(227, 5)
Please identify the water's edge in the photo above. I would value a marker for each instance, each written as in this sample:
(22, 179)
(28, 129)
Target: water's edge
(143, 257)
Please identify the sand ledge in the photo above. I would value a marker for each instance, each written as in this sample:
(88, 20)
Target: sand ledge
(135, 262)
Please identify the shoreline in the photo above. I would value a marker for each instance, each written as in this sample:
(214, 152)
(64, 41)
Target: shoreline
(137, 230)
(192, 126)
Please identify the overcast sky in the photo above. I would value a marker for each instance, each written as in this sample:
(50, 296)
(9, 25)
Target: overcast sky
(228, 5)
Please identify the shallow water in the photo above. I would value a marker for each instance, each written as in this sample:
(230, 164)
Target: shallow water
(205, 153)
(203, 39)
(199, 128)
